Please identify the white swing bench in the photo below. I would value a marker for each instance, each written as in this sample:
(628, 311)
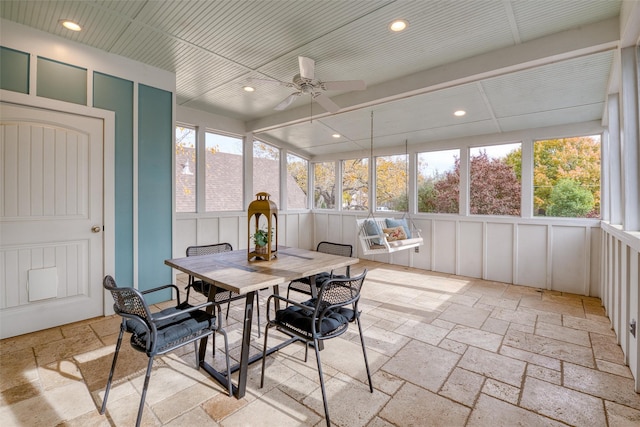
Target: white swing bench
(375, 241)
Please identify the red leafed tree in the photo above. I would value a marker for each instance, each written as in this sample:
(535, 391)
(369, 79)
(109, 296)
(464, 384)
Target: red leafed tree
(495, 188)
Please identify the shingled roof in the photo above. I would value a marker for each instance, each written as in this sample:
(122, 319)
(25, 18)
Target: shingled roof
(223, 168)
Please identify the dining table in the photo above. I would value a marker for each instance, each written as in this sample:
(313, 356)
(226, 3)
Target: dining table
(235, 271)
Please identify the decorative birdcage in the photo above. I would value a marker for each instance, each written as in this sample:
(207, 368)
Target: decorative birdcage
(262, 227)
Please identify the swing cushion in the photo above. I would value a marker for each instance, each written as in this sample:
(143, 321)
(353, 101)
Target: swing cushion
(392, 222)
(395, 233)
(372, 229)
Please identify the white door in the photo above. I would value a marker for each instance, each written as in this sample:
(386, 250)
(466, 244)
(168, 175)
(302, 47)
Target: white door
(51, 210)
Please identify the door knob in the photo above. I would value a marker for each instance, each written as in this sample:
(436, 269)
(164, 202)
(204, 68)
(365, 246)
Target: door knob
(96, 228)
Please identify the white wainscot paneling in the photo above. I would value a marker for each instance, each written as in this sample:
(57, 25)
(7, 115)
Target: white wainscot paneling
(185, 235)
(292, 230)
(334, 230)
(233, 229)
(444, 246)
(499, 252)
(532, 255)
(349, 231)
(596, 262)
(207, 232)
(422, 259)
(568, 259)
(321, 224)
(470, 252)
(306, 227)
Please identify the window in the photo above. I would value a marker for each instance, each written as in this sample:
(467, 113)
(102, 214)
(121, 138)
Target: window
(391, 183)
(324, 179)
(495, 180)
(185, 169)
(439, 181)
(266, 170)
(355, 184)
(297, 179)
(566, 177)
(223, 191)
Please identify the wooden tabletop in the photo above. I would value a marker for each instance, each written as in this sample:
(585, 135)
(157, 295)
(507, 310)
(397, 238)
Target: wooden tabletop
(232, 270)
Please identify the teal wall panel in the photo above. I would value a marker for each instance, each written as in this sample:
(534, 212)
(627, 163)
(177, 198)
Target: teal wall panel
(155, 145)
(115, 94)
(61, 81)
(14, 70)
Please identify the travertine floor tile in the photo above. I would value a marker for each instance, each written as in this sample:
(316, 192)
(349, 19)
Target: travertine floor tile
(493, 365)
(462, 386)
(443, 350)
(607, 386)
(550, 347)
(413, 405)
(571, 407)
(493, 412)
(277, 410)
(350, 402)
(422, 364)
(462, 315)
(475, 337)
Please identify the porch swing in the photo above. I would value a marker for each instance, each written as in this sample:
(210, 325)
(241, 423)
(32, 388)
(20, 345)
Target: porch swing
(388, 235)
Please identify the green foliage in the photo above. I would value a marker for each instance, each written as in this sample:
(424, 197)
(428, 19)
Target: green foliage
(576, 159)
(261, 237)
(569, 199)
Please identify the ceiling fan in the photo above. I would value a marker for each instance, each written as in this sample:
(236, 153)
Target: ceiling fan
(306, 83)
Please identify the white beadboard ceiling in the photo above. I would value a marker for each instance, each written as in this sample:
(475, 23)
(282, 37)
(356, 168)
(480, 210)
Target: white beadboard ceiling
(511, 64)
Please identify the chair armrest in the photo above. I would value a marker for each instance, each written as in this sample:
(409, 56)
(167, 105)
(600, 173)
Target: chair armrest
(190, 309)
(159, 288)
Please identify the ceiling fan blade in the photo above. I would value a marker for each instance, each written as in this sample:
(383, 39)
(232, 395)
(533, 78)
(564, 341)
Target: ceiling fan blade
(287, 101)
(326, 103)
(307, 67)
(344, 85)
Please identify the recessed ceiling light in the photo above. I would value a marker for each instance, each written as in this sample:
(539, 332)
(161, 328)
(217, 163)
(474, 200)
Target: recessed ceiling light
(336, 135)
(70, 25)
(459, 113)
(249, 89)
(398, 25)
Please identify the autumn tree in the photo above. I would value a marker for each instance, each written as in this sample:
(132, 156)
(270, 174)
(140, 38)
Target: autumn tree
(494, 188)
(298, 170)
(391, 182)
(324, 179)
(576, 159)
(355, 184)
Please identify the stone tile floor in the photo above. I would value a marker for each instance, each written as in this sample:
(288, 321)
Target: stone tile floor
(444, 351)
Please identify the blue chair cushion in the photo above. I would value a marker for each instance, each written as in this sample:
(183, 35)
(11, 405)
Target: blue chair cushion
(301, 318)
(391, 222)
(170, 331)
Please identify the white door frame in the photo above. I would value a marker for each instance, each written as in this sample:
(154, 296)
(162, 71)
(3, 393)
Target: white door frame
(108, 215)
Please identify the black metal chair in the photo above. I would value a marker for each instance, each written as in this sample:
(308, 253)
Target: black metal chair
(221, 295)
(325, 317)
(159, 333)
(303, 285)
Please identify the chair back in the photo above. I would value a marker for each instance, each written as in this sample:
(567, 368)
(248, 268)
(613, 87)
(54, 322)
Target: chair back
(209, 249)
(339, 292)
(128, 302)
(336, 249)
